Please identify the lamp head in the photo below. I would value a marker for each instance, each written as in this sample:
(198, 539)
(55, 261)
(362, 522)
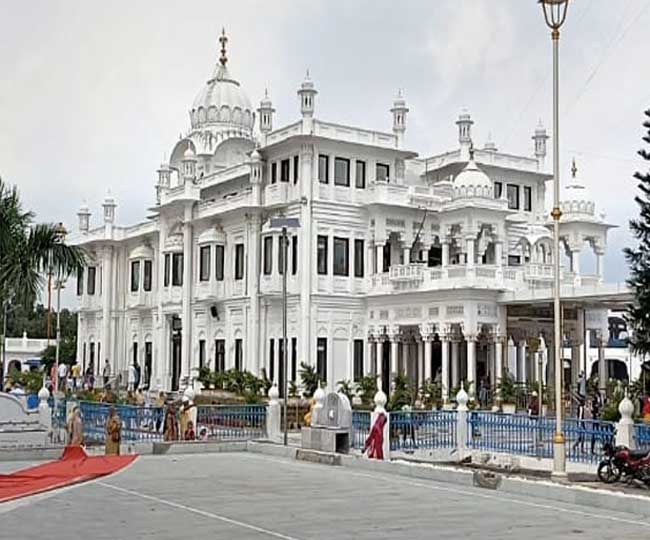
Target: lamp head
(554, 12)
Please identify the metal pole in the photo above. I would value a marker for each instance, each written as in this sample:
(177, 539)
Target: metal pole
(4, 345)
(58, 332)
(284, 332)
(559, 455)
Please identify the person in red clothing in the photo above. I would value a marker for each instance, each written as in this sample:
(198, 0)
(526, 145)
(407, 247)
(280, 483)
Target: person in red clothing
(189, 434)
(375, 441)
(645, 410)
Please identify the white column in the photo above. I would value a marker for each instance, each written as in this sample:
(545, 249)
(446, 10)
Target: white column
(254, 352)
(602, 362)
(407, 254)
(307, 267)
(394, 351)
(427, 358)
(599, 263)
(498, 253)
(420, 345)
(471, 364)
(445, 254)
(455, 363)
(511, 356)
(471, 251)
(107, 297)
(369, 369)
(379, 247)
(186, 350)
(444, 376)
(498, 357)
(380, 362)
(522, 372)
(405, 357)
(369, 266)
(575, 261)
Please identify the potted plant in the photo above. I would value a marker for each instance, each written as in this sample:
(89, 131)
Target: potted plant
(508, 394)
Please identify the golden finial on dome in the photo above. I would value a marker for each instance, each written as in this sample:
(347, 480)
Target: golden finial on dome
(223, 39)
(574, 168)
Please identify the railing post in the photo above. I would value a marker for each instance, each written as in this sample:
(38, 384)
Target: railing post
(44, 411)
(462, 431)
(625, 426)
(273, 427)
(380, 407)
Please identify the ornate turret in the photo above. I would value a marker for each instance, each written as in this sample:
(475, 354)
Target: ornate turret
(189, 165)
(540, 137)
(399, 111)
(464, 124)
(265, 112)
(84, 218)
(307, 94)
(109, 208)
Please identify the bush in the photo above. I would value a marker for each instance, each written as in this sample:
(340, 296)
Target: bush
(310, 380)
(402, 394)
(346, 387)
(30, 381)
(507, 389)
(366, 390)
(430, 393)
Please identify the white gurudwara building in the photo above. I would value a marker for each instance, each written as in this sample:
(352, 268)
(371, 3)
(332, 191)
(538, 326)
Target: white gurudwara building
(435, 267)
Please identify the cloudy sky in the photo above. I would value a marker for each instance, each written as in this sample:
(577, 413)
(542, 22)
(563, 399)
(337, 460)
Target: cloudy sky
(94, 94)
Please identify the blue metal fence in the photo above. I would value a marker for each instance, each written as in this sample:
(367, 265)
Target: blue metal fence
(413, 430)
(642, 435)
(231, 422)
(532, 436)
(360, 429)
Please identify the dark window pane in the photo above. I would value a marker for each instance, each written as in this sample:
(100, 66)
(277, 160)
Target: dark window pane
(148, 274)
(177, 270)
(341, 257)
(268, 255)
(204, 263)
(296, 168)
(294, 255)
(281, 255)
(498, 190)
(135, 276)
(341, 172)
(167, 269)
(239, 354)
(383, 171)
(323, 169)
(201, 353)
(220, 355)
(284, 170)
(513, 197)
(321, 358)
(294, 357)
(274, 173)
(80, 281)
(434, 256)
(322, 254)
(91, 279)
(358, 258)
(386, 257)
(218, 260)
(528, 198)
(358, 359)
(239, 261)
(361, 174)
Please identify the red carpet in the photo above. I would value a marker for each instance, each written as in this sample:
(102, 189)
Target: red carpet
(74, 466)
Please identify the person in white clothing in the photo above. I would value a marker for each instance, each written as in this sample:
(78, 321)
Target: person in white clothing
(63, 376)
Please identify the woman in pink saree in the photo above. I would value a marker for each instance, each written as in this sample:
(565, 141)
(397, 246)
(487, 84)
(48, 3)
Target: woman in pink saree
(375, 441)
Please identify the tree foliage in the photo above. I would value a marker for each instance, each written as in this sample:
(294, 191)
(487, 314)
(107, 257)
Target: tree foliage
(28, 251)
(638, 258)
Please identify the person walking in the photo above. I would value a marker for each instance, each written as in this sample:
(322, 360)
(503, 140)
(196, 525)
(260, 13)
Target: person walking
(75, 428)
(62, 376)
(113, 433)
(106, 373)
(170, 432)
(76, 375)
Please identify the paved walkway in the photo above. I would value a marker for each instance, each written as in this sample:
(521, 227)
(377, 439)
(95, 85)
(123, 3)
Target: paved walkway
(250, 496)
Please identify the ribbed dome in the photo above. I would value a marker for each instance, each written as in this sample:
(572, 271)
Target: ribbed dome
(473, 182)
(576, 198)
(222, 101)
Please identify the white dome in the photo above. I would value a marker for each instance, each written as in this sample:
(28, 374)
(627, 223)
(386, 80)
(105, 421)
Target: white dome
(576, 198)
(222, 101)
(473, 182)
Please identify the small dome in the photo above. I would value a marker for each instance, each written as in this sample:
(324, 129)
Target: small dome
(266, 101)
(576, 198)
(473, 182)
(256, 156)
(189, 153)
(83, 209)
(307, 84)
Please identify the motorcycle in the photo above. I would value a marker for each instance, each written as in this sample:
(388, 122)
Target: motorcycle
(621, 462)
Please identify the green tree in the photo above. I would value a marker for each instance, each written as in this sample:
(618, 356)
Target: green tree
(638, 258)
(28, 251)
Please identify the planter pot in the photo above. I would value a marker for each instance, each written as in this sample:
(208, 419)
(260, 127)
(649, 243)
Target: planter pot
(509, 408)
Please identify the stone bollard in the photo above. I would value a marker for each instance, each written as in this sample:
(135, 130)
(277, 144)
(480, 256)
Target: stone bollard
(380, 407)
(273, 416)
(319, 407)
(625, 426)
(462, 431)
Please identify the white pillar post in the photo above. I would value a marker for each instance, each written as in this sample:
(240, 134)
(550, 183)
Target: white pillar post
(371, 358)
(471, 363)
(455, 363)
(187, 341)
(380, 256)
(380, 362)
(471, 251)
(445, 253)
(394, 351)
(407, 255)
(498, 357)
(523, 362)
(421, 344)
(602, 363)
(444, 376)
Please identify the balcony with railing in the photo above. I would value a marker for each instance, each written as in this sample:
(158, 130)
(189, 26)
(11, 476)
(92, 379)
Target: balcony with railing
(140, 300)
(227, 203)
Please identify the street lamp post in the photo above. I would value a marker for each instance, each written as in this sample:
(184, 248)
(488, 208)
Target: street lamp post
(284, 224)
(555, 12)
(60, 238)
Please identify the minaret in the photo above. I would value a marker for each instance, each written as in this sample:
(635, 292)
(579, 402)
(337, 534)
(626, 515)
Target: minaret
(84, 218)
(307, 94)
(490, 145)
(464, 124)
(109, 214)
(540, 137)
(399, 111)
(265, 112)
(164, 180)
(189, 165)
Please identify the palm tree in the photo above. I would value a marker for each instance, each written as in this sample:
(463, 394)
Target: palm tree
(29, 251)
